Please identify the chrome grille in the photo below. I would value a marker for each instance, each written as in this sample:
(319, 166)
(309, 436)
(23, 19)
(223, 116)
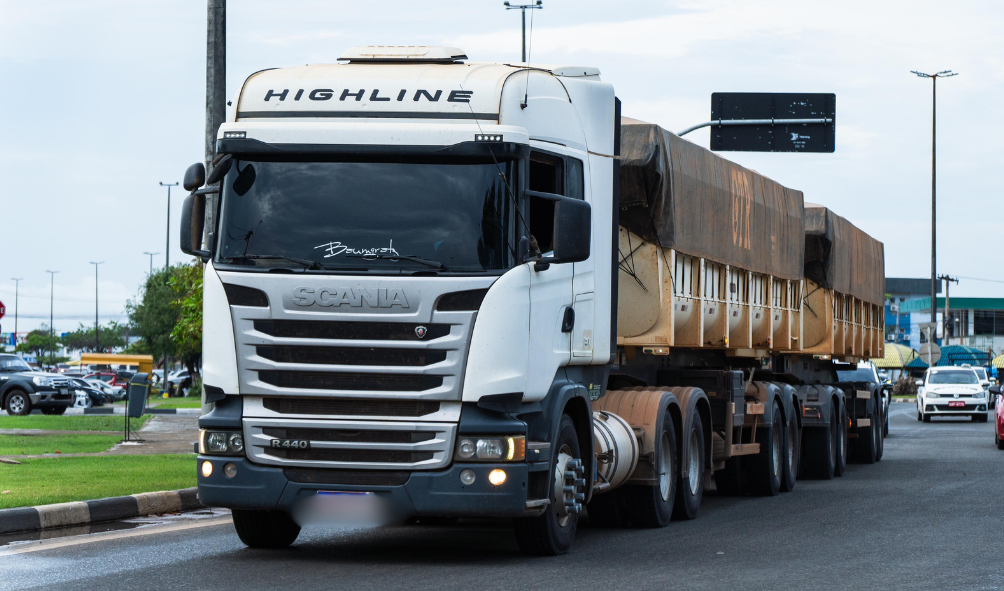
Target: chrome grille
(59, 382)
(352, 444)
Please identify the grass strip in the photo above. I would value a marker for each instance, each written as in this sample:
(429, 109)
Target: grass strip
(181, 403)
(71, 422)
(24, 445)
(41, 481)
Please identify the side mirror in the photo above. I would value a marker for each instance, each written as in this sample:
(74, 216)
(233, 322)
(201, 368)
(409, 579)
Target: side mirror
(193, 221)
(220, 169)
(195, 177)
(572, 232)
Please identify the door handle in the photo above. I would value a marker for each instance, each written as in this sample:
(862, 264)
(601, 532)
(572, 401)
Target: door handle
(568, 321)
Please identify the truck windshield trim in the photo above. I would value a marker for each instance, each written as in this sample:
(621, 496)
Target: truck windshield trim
(377, 215)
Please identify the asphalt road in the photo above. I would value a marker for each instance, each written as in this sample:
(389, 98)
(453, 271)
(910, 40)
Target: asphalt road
(923, 518)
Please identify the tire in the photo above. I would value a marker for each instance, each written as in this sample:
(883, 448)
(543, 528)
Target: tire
(997, 439)
(18, 403)
(549, 534)
(841, 441)
(54, 410)
(765, 470)
(265, 529)
(654, 505)
(867, 442)
(920, 415)
(880, 439)
(792, 447)
(885, 420)
(980, 418)
(690, 489)
(927, 418)
(819, 452)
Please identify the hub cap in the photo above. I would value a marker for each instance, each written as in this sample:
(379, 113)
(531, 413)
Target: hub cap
(568, 486)
(775, 451)
(665, 467)
(694, 463)
(16, 403)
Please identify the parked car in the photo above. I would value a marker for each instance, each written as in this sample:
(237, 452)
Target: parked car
(22, 388)
(108, 377)
(951, 391)
(111, 393)
(995, 390)
(86, 394)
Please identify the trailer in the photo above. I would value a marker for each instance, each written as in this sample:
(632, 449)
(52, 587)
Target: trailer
(439, 288)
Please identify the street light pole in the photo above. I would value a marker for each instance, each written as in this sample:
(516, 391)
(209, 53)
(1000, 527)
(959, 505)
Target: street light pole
(17, 282)
(151, 260)
(167, 261)
(523, 8)
(52, 335)
(934, 209)
(97, 340)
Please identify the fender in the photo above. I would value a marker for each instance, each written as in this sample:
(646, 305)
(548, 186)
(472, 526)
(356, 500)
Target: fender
(12, 383)
(788, 404)
(542, 420)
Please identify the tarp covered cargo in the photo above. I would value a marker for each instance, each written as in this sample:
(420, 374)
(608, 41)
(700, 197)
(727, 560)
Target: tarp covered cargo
(839, 256)
(685, 197)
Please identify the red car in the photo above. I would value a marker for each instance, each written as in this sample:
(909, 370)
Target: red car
(108, 377)
(995, 394)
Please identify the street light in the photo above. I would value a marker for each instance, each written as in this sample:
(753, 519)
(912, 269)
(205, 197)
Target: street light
(934, 211)
(52, 336)
(17, 282)
(97, 341)
(523, 8)
(167, 260)
(151, 260)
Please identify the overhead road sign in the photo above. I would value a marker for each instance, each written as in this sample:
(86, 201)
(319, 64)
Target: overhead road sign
(771, 122)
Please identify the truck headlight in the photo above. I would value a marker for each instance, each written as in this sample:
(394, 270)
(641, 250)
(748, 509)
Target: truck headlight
(506, 448)
(41, 381)
(221, 443)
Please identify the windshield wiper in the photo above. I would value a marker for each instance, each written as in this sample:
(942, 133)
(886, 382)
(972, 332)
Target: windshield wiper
(307, 263)
(407, 257)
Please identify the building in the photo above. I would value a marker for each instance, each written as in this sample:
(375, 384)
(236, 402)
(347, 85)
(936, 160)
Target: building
(972, 322)
(901, 326)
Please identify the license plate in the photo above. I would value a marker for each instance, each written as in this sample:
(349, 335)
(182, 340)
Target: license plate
(956, 404)
(290, 443)
(63, 391)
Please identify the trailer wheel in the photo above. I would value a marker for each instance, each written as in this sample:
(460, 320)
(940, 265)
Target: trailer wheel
(265, 529)
(652, 505)
(867, 442)
(691, 479)
(551, 533)
(841, 440)
(765, 470)
(791, 449)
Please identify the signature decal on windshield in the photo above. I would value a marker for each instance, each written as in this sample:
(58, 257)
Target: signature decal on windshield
(336, 248)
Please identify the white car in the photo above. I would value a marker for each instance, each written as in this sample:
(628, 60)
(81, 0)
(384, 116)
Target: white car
(951, 391)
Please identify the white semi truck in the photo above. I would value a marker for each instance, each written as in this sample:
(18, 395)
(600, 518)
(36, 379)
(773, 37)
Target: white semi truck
(454, 289)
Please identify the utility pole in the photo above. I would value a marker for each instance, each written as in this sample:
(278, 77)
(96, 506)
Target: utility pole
(948, 323)
(523, 8)
(17, 282)
(97, 340)
(216, 95)
(167, 259)
(151, 260)
(52, 335)
(934, 209)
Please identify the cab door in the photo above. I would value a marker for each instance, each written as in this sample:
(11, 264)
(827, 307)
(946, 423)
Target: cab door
(550, 285)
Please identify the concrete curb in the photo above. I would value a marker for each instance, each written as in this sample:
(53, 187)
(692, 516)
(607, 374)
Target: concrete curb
(153, 410)
(83, 512)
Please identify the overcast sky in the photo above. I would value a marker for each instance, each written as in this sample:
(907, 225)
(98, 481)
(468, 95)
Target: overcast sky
(103, 99)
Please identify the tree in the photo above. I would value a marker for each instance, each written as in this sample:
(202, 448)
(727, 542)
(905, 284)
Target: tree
(39, 344)
(82, 339)
(153, 316)
(187, 332)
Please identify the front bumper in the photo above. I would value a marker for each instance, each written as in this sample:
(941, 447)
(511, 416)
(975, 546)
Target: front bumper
(430, 493)
(52, 398)
(942, 406)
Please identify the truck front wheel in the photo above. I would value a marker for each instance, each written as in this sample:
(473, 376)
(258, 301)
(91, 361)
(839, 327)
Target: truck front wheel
(265, 529)
(551, 533)
(18, 403)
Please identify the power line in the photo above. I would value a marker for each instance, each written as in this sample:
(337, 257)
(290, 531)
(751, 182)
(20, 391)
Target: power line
(979, 279)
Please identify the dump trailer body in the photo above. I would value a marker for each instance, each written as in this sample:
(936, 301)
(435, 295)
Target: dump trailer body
(845, 287)
(710, 251)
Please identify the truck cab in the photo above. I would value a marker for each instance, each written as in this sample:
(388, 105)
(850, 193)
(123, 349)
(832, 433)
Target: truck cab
(407, 288)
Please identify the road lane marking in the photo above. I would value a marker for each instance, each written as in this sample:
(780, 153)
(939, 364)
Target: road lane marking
(113, 535)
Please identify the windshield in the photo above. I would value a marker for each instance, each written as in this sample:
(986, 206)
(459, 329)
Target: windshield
(953, 377)
(12, 363)
(856, 375)
(981, 373)
(455, 216)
